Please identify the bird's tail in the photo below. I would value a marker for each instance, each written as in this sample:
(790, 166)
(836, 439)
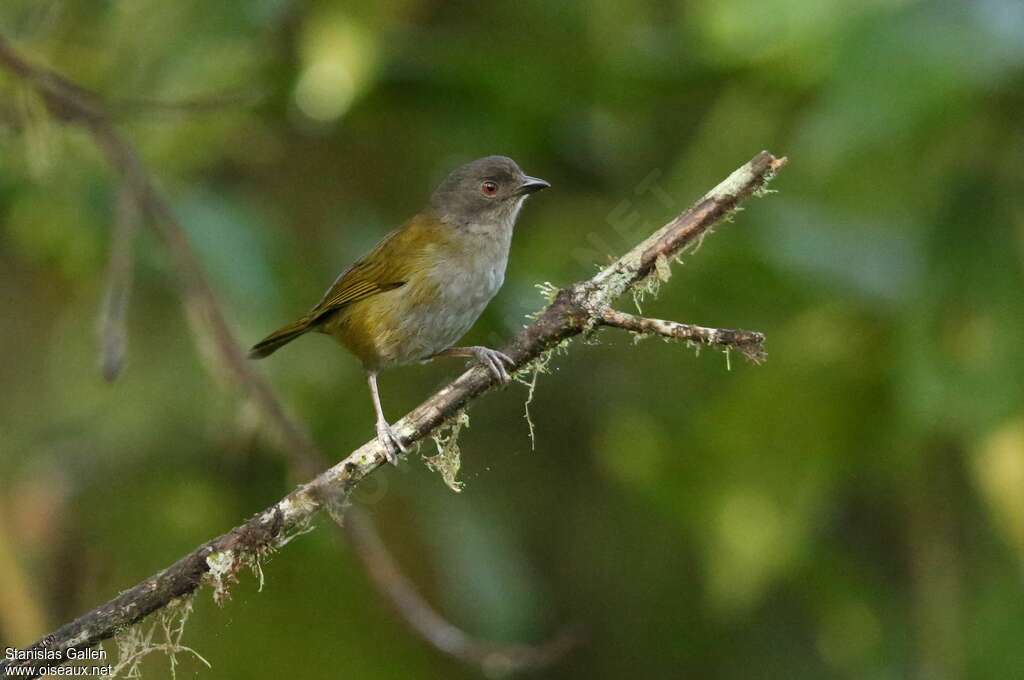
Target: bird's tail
(280, 338)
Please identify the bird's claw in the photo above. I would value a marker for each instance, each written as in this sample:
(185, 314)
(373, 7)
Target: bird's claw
(391, 442)
(496, 362)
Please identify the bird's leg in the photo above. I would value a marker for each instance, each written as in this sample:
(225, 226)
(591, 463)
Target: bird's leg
(496, 362)
(387, 436)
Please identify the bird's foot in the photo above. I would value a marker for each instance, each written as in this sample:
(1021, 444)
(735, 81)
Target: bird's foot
(496, 362)
(392, 444)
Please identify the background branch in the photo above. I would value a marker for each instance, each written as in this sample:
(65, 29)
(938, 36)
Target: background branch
(495, 659)
(574, 310)
(113, 336)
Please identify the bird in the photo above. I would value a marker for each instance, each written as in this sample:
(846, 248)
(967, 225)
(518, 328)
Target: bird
(424, 285)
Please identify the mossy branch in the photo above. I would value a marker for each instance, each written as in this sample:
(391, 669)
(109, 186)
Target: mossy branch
(748, 343)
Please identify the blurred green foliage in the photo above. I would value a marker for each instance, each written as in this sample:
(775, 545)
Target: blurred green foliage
(850, 509)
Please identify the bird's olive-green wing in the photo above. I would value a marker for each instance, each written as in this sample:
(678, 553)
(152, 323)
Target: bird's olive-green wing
(379, 271)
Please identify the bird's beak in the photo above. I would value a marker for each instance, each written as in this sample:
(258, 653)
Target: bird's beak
(531, 185)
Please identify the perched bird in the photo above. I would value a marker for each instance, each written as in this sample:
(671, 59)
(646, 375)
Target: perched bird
(422, 287)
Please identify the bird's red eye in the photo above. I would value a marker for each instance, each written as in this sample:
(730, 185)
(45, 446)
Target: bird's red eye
(489, 188)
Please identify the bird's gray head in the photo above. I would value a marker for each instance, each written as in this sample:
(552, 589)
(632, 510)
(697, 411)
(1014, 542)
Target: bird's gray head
(486, 193)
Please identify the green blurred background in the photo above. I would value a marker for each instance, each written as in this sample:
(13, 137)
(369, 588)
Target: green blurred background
(854, 508)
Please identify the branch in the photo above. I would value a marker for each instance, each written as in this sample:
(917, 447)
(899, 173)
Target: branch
(493, 659)
(574, 310)
(112, 333)
(749, 343)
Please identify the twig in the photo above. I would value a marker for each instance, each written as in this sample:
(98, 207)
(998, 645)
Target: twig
(112, 334)
(749, 343)
(73, 104)
(494, 659)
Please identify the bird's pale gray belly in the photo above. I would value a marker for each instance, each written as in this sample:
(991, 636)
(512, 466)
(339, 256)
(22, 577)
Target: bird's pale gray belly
(464, 288)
